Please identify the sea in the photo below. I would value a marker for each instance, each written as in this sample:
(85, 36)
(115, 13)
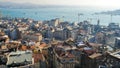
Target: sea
(70, 14)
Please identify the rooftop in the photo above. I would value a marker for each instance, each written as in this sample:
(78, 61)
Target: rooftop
(20, 52)
(116, 54)
(95, 55)
(118, 38)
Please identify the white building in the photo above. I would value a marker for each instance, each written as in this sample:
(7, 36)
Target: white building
(20, 57)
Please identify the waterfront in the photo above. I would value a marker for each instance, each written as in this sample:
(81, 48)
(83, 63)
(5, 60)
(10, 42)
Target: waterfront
(64, 13)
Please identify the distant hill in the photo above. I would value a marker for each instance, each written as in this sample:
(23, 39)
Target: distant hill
(17, 5)
(27, 5)
(115, 12)
(23, 5)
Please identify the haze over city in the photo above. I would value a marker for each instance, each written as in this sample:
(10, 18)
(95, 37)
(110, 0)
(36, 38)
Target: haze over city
(97, 3)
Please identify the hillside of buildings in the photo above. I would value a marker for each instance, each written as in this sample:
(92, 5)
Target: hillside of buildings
(54, 43)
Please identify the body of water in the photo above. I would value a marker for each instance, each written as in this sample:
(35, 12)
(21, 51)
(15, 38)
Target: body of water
(65, 13)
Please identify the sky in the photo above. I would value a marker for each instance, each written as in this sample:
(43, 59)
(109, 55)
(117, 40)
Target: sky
(99, 3)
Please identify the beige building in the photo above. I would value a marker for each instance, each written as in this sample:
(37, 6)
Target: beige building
(61, 56)
(32, 36)
(54, 22)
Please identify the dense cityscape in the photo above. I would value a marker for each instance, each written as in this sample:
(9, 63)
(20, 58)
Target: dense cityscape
(26, 43)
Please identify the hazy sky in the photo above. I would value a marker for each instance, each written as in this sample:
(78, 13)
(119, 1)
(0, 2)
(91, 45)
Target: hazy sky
(100, 3)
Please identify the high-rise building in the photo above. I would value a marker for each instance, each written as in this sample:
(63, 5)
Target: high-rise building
(117, 42)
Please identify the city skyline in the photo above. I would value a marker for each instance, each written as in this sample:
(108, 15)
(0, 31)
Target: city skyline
(96, 3)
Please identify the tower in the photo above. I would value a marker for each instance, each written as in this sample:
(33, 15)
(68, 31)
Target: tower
(111, 17)
(98, 22)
